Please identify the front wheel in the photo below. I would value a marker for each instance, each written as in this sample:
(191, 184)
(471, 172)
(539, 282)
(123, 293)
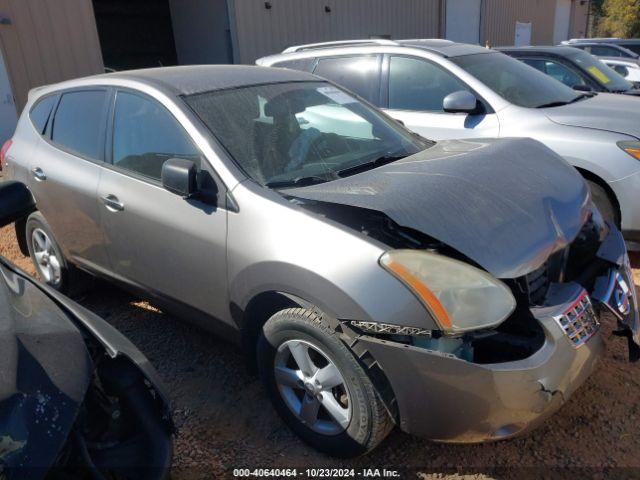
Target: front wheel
(318, 386)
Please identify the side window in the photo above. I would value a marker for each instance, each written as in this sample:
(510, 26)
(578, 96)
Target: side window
(604, 51)
(145, 135)
(304, 64)
(563, 74)
(41, 111)
(359, 74)
(415, 84)
(633, 48)
(78, 125)
(535, 63)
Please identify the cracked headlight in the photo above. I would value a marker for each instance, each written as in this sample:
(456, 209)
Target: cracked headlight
(460, 297)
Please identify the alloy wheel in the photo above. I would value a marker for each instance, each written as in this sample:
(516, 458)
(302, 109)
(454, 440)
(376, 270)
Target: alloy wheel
(312, 387)
(47, 261)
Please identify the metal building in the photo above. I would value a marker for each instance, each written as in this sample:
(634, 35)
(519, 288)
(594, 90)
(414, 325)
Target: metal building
(45, 41)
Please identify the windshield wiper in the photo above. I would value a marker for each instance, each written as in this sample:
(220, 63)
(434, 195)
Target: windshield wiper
(345, 172)
(296, 182)
(562, 103)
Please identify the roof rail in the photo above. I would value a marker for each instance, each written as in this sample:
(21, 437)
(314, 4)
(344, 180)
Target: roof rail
(340, 43)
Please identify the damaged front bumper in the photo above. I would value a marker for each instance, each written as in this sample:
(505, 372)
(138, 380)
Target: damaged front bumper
(446, 398)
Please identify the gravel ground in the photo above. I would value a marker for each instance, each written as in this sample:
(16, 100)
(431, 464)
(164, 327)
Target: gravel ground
(225, 420)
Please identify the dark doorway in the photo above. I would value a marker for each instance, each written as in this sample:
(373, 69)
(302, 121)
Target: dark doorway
(135, 33)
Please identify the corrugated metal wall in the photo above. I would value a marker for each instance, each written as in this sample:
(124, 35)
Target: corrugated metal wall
(499, 19)
(47, 42)
(579, 19)
(261, 31)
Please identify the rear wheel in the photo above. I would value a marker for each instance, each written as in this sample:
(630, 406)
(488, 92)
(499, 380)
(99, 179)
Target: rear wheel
(604, 203)
(318, 386)
(45, 253)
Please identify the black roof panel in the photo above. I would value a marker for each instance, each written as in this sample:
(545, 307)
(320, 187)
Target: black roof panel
(187, 80)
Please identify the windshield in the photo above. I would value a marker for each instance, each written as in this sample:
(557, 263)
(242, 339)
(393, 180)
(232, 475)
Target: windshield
(295, 134)
(600, 72)
(515, 81)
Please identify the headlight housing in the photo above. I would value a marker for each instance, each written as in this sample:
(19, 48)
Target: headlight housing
(460, 297)
(632, 148)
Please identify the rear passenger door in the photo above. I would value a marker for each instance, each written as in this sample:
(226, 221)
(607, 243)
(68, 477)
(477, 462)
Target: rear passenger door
(65, 170)
(414, 91)
(173, 248)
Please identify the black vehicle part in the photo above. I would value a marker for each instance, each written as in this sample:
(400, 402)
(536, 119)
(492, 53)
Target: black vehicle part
(119, 432)
(17, 202)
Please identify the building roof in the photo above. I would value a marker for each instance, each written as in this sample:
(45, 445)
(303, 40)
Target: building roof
(446, 48)
(187, 80)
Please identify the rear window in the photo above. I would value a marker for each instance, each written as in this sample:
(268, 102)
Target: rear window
(39, 114)
(78, 125)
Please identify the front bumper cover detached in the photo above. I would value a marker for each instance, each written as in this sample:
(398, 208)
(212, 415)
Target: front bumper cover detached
(448, 399)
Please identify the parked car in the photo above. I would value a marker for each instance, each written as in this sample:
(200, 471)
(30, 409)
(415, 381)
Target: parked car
(626, 67)
(375, 277)
(630, 44)
(573, 67)
(441, 89)
(76, 397)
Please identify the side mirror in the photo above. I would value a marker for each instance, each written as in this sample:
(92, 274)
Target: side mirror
(582, 88)
(16, 202)
(621, 70)
(462, 101)
(179, 176)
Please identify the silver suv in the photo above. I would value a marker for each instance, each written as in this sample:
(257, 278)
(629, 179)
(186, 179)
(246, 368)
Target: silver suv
(375, 278)
(441, 89)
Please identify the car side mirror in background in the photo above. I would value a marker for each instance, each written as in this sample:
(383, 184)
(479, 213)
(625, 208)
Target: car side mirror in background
(180, 176)
(621, 70)
(462, 101)
(582, 88)
(16, 202)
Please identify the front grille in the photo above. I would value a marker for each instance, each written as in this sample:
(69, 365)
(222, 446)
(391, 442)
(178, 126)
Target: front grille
(580, 321)
(538, 284)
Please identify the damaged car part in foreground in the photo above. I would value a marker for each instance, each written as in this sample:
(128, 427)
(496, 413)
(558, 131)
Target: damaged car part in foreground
(76, 397)
(454, 289)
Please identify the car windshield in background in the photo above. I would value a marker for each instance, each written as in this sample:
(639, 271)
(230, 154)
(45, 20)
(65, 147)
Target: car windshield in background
(516, 82)
(601, 73)
(295, 134)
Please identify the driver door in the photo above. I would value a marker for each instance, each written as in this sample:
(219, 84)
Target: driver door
(415, 90)
(172, 248)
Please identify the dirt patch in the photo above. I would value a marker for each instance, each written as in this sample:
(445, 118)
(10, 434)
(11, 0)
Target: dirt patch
(225, 420)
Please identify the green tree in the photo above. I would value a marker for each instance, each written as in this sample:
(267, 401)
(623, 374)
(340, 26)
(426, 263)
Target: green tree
(620, 18)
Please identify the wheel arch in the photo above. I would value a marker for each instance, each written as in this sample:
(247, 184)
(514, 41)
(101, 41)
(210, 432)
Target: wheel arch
(588, 175)
(264, 305)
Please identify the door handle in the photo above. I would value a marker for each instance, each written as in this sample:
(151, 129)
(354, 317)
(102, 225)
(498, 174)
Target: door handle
(38, 174)
(112, 203)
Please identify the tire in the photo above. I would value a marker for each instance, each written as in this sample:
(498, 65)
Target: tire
(603, 201)
(299, 330)
(39, 238)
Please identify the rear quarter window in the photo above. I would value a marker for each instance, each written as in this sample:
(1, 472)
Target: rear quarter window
(79, 123)
(41, 111)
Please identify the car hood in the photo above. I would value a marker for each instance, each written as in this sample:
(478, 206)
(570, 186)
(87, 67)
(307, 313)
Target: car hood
(605, 111)
(506, 204)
